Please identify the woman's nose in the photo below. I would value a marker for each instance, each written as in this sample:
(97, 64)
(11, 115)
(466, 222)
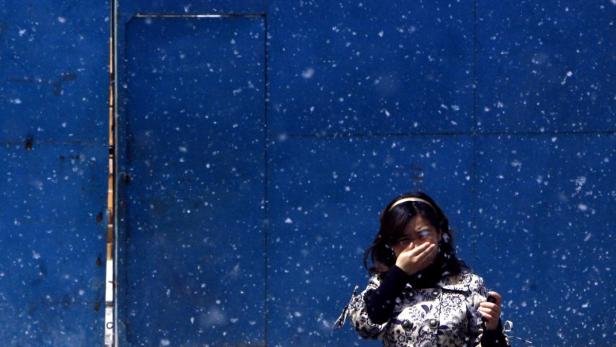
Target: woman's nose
(423, 240)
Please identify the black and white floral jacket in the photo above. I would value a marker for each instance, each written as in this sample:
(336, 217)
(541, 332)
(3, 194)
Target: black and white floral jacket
(444, 316)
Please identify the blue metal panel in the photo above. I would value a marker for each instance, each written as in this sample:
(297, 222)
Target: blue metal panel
(53, 127)
(361, 67)
(192, 246)
(53, 66)
(546, 235)
(128, 9)
(51, 278)
(326, 197)
(546, 66)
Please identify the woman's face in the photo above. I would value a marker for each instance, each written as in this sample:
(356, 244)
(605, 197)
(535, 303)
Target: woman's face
(418, 231)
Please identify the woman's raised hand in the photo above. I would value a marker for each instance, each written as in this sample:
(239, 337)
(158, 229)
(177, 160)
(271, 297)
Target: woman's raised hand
(416, 258)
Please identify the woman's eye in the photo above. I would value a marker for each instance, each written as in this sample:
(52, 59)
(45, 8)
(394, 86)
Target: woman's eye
(423, 233)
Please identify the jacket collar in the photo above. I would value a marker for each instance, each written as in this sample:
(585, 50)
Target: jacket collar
(459, 282)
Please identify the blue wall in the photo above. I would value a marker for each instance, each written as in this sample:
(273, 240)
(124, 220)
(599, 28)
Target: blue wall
(53, 159)
(258, 148)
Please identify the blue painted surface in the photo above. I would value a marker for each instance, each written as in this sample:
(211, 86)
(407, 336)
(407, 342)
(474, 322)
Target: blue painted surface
(547, 220)
(53, 131)
(128, 9)
(248, 198)
(51, 280)
(54, 71)
(546, 66)
(349, 67)
(192, 254)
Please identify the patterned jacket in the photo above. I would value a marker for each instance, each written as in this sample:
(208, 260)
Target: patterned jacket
(442, 316)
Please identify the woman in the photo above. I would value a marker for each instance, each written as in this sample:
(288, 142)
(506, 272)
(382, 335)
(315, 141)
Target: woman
(419, 292)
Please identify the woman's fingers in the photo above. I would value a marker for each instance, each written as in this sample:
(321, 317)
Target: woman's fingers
(485, 314)
(489, 318)
(492, 306)
(496, 296)
(417, 258)
(414, 250)
(490, 311)
(489, 307)
(430, 251)
(427, 255)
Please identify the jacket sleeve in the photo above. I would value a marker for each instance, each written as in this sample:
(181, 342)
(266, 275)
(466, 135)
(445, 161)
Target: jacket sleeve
(358, 313)
(478, 335)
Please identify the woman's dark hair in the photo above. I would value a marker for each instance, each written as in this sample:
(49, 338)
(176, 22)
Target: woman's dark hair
(393, 224)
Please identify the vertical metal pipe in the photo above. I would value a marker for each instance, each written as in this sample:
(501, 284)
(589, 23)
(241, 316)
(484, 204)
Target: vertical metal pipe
(110, 274)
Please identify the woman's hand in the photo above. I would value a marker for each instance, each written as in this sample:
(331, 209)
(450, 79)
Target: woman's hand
(490, 311)
(416, 258)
